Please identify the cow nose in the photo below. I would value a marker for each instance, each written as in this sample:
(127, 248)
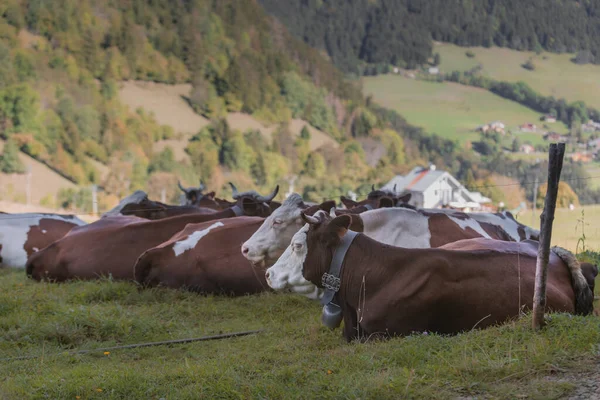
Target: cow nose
(245, 249)
(267, 274)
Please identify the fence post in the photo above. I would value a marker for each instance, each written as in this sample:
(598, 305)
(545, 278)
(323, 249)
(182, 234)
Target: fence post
(556, 154)
(95, 200)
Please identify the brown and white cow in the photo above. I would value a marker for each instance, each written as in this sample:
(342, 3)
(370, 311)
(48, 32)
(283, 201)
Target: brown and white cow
(111, 246)
(204, 258)
(386, 290)
(23, 234)
(396, 226)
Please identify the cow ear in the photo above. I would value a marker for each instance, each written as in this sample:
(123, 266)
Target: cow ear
(341, 224)
(327, 205)
(349, 203)
(405, 198)
(210, 195)
(385, 202)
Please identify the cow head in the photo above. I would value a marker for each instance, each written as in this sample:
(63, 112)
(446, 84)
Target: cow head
(195, 197)
(375, 197)
(274, 235)
(309, 255)
(253, 204)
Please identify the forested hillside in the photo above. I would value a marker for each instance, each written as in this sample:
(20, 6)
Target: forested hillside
(399, 32)
(62, 62)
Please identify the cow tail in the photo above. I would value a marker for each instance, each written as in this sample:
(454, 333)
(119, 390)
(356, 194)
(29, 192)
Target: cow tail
(584, 297)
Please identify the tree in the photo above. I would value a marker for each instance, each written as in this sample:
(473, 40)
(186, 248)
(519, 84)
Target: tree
(565, 195)
(305, 133)
(9, 161)
(436, 59)
(516, 145)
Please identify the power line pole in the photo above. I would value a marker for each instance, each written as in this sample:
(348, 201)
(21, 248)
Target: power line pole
(94, 200)
(163, 195)
(28, 185)
(535, 189)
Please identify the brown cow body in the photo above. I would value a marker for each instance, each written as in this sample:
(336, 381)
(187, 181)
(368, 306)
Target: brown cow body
(111, 246)
(205, 258)
(389, 291)
(22, 235)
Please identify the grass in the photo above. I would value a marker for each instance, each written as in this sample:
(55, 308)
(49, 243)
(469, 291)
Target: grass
(555, 75)
(568, 226)
(451, 110)
(294, 357)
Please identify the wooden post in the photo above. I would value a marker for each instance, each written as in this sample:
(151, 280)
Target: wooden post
(557, 152)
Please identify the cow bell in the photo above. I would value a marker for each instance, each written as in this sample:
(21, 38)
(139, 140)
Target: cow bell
(331, 316)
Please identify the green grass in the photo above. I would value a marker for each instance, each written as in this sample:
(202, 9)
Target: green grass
(449, 109)
(555, 75)
(569, 226)
(295, 357)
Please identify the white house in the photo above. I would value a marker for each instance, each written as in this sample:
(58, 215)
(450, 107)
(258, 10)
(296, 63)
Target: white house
(431, 188)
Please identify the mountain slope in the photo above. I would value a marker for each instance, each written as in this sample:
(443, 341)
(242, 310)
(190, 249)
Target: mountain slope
(399, 32)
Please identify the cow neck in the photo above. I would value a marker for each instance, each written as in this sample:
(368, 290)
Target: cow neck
(237, 210)
(331, 280)
(368, 207)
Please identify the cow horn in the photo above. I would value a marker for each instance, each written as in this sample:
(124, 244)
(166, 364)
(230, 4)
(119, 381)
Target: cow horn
(202, 186)
(181, 187)
(332, 212)
(394, 190)
(269, 197)
(234, 191)
(372, 188)
(309, 219)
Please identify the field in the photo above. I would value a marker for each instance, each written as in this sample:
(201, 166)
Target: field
(293, 357)
(449, 109)
(569, 226)
(555, 74)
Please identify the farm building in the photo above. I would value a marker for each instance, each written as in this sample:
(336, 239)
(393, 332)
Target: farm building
(495, 126)
(431, 188)
(528, 127)
(549, 118)
(526, 148)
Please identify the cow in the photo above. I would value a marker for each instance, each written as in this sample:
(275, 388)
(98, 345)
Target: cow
(194, 197)
(204, 258)
(111, 246)
(138, 204)
(22, 235)
(372, 200)
(397, 226)
(386, 291)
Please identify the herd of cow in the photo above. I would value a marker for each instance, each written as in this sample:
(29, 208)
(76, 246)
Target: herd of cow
(380, 265)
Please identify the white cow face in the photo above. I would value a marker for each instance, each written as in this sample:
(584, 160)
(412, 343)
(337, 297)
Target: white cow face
(286, 273)
(274, 235)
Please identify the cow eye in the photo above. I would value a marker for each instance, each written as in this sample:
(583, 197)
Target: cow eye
(277, 221)
(297, 246)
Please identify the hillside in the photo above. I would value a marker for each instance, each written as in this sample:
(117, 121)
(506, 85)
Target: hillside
(399, 32)
(167, 103)
(554, 75)
(76, 82)
(451, 110)
(45, 183)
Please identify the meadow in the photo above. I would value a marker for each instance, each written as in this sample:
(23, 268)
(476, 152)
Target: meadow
(554, 75)
(293, 356)
(450, 110)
